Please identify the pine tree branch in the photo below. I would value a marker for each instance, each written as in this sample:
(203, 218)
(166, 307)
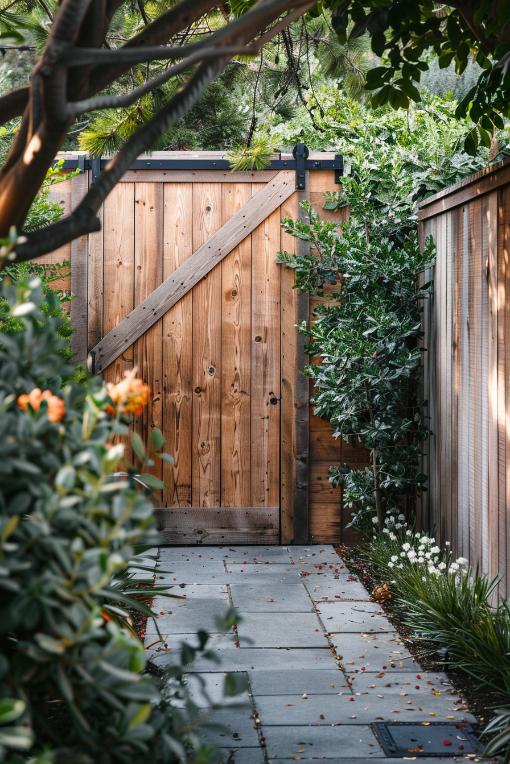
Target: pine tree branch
(162, 29)
(76, 108)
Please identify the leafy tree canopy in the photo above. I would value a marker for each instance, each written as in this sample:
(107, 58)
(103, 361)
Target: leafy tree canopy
(404, 34)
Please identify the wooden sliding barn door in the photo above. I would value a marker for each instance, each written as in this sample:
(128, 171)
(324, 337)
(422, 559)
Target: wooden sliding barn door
(181, 281)
(192, 297)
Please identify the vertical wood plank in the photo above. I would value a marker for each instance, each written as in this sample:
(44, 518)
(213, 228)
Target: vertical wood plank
(79, 275)
(451, 529)
(95, 286)
(119, 268)
(441, 389)
(475, 341)
(485, 344)
(178, 349)
(61, 194)
(265, 363)
(327, 522)
(423, 507)
(432, 353)
(206, 356)
(288, 318)
(491, 228)
(302, 404)
(463, 478)
(236, 360)
(504, 563)
(447, 379)
(148, 349)
(503, 253)
(459, 403)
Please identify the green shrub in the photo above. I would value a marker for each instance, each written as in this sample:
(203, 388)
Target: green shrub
(55, 305)
(72, 681)
(367, 341)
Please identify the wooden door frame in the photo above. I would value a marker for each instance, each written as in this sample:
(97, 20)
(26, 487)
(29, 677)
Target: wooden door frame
(288, 522)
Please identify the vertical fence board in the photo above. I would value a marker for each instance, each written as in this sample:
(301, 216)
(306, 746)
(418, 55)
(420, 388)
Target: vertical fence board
(302, 485)
(491, 228)
(454, 377)
(475, 381)
(148, 350)
(501, 416)
(485, 343)
(265, 364)
(119, 268)
(178, 349)
(504, 414)
(441, 430)
(95, 286)
(61, 194)
(448, 391)
(327, 520)
(432, 397)
(79, 276)
(236, 360)
(464, 411)
(422, 510)
(288, 319)
(206, 355)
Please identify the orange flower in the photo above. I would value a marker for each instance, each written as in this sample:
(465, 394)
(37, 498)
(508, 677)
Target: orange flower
(129, 396)
(56, 407)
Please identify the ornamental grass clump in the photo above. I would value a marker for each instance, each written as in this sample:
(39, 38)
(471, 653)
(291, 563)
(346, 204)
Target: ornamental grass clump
(451, 610)
(73, 685)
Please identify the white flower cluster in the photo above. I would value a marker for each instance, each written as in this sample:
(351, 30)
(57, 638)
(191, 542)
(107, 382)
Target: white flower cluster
(423, 550)
(393, 523)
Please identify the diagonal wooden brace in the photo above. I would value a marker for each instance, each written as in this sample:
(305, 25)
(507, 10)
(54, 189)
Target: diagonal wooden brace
(201, 262)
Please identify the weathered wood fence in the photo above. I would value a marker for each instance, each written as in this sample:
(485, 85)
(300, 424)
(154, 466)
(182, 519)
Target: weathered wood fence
(467, 369)
(181, 282)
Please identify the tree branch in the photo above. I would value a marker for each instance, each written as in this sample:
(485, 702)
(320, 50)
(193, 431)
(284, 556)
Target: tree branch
(13, 104)
(158, 32)
(76, 57)
(76, 108)
(84, 218)
(129, 56)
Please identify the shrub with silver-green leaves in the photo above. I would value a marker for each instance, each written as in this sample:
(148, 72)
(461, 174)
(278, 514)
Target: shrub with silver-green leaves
(72, 681)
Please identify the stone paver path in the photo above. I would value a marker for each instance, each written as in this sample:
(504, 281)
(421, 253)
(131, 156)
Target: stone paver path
(322, 661)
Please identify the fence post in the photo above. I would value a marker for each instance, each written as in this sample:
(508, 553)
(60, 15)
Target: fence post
(79, 273)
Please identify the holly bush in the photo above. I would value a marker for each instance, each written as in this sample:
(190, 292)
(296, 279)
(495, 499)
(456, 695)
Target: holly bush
(72, 682)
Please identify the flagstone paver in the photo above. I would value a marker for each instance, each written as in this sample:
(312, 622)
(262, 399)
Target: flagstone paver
(322, 661)
(253, 598)
(359, 652)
